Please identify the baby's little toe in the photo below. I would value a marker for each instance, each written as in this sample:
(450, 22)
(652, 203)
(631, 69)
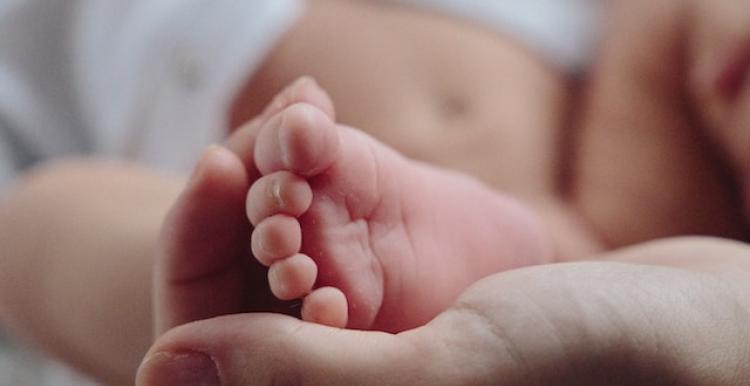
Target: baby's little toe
(327, 306)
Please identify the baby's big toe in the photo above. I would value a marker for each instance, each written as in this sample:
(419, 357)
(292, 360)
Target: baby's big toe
(301, 139)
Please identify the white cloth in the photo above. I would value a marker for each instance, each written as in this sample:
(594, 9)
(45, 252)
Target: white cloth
(139, 79)
(564, 32)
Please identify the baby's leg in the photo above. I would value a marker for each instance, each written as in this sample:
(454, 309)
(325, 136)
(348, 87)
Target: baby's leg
(645, 167)
(371, 238)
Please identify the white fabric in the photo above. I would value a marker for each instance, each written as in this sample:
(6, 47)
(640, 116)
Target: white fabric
(22, 368)
(6, 165)
(565, 32)
(140, 79)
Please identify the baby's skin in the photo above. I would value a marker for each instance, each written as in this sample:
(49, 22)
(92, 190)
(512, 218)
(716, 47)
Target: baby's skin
(369, 238)
(366, 237)
(476, 102)
(719, 81)
(372, 240)
(663, 143)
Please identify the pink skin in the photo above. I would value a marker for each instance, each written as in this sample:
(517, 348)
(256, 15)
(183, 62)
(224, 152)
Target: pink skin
(731, 86)
(589, 323)
(386, 243)
(730, 82)
(735, 73)
(368, 238)
(739, 78)
(719, 41)
(204, 268)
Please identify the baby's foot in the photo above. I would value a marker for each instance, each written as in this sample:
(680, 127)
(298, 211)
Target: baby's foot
(371, 239)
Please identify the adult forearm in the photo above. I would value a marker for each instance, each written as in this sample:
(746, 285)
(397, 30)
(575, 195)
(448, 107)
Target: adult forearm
(78, 239)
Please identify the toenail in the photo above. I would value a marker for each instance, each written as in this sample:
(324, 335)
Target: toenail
(275, 193)
(279, 286)
(261, 246)
(283, 148)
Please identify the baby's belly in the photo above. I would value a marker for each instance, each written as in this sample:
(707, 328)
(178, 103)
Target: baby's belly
(435, 88)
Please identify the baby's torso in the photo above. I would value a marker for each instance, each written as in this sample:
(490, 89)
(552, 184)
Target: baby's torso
(435, 88)
(449, 93)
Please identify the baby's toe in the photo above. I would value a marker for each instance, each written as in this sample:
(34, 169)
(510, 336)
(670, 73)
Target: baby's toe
(301, 139)
(293, 277)
(275, 238)
(278, 193)
(327, 306)
(303, 90)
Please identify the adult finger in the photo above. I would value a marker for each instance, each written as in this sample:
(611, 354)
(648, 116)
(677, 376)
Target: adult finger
(200, 270)
(204, 269)
(268, 349)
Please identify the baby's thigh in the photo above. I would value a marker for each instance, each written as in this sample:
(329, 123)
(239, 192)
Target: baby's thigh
(644, 168)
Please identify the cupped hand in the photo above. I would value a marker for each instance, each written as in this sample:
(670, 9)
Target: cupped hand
(673, 312)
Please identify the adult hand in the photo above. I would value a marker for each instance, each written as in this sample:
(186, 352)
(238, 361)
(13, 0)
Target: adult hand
(624, 321)
(675, 312)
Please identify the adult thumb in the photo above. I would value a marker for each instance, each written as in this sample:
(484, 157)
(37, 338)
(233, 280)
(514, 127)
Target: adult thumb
(270, 349)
